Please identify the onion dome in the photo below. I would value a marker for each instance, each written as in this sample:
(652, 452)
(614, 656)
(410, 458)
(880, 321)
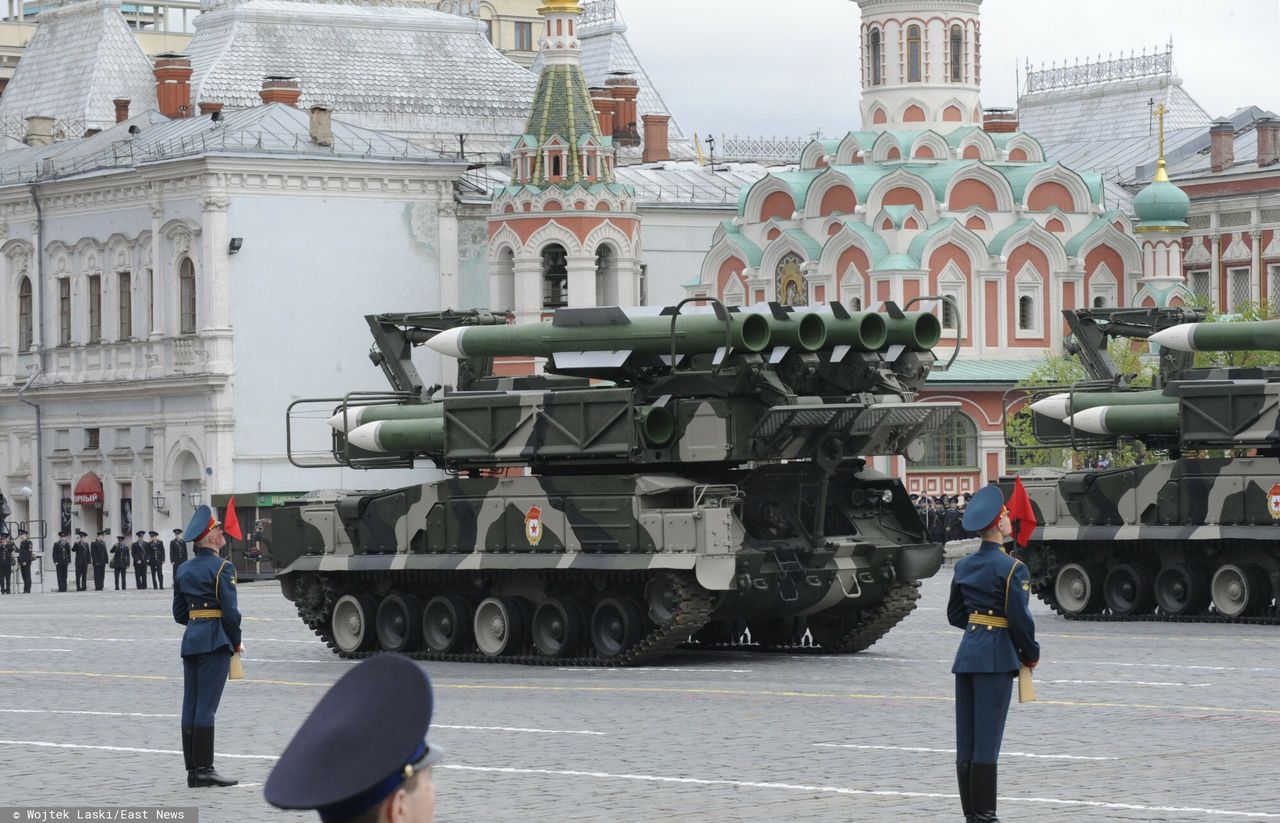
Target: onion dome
(1162, 206)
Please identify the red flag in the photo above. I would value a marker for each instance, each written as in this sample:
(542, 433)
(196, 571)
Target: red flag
(231, 523)
(1022, 514)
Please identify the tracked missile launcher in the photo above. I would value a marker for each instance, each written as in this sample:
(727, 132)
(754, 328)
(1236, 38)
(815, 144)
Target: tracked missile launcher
(673, 476)
(1191, 537)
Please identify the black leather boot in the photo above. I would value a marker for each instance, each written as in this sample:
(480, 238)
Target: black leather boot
(204, 775)
(982, 792)
(962, 778)
(187, 756)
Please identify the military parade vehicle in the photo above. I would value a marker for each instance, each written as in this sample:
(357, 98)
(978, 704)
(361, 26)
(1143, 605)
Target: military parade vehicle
(1195, 536)
(673, 473)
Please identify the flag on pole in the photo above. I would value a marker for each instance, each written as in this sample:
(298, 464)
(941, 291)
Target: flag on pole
(231, 523)
(1022, 513)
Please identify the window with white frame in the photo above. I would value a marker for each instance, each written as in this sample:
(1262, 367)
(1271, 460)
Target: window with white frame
(124, 280)
(877, 58)
(1102, 288)
(186, 296)
(1239, 293)
(25, 327)
(64, 311)
(734, 293)
(954, 446)
(951, 283)
(1273, 289)
(1029, 293)
(851, 291)
(95, 308)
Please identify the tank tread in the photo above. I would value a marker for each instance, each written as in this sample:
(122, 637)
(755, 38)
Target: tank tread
(897, 604)
(1269, 617)
(695, 605)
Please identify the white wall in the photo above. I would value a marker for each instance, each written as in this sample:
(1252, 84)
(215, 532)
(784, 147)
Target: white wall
(674, 242)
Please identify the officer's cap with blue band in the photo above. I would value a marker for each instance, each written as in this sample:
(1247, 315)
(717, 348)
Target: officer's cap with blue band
(362, 741)
(201, 523)
(983, 509)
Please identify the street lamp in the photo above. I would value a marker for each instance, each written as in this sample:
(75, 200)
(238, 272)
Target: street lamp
(194, 499)
(159, 502)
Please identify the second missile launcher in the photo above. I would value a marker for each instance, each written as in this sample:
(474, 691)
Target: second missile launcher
(672, 474)
(1190, 537)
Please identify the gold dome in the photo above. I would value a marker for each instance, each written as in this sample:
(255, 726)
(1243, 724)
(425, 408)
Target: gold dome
(561, 7)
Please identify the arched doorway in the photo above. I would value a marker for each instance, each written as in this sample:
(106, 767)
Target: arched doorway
(555, 277)
(606, 276)
(187, 472)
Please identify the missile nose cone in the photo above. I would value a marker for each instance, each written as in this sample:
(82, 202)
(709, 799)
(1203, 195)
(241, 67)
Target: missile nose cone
(366, 437)
(1055, 406)
(346, 420)
(448, 342)
(1178, 338)
(1090, 420)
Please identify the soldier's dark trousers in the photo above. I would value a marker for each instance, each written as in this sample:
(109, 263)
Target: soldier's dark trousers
(6, 574)
(157, 577)
(203, 678)
(122, 579)
(62, 577)
(82, 578)
(26, 580)
(140, 576)
(982, 704)
(99, 577)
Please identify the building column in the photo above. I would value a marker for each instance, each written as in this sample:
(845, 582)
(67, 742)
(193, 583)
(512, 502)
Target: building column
(528, 306)
(38, 287)
(449, 263)
(213, 276)
(1215, 263)
(1256, 285)
(158, 287)
(582, 282)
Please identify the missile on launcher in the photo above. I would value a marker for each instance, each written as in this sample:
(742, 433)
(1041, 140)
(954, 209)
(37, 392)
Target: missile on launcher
(1251, 335)
(350, 418)
(1061, 406)
(1130, 420)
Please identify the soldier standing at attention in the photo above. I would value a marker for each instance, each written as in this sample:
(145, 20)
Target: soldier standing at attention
(81, 551)
(98, 556)
(120, 562)
(177, 551)
(362, 754)
(25, 557)
(62, 558)
(139, 551)
(204, 600)
(6, 563)
(155, 559)
(990, 595)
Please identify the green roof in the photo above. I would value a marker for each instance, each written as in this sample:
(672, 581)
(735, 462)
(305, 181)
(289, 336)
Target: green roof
(1077, 242)
(998, 242)
(812, 247)
(562, 108)
(994, 372)
(898, 262)
(879, 249)
(922, 239)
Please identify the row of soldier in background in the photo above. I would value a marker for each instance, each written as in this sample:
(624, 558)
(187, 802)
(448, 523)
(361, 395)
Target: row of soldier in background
(23, 554)
(942, 516)
(142, 554)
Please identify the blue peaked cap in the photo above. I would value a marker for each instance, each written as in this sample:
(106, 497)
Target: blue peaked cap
(199, 524)
(983, 509)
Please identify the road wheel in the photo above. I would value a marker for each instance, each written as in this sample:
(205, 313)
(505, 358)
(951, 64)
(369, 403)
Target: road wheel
(616, 624)
(1129, 589)
(446, 624)
(499, 626)
(558, 627)
(353, 623)
(1078, 588)
(400, 623)
(1182, 590)
(1239, 591)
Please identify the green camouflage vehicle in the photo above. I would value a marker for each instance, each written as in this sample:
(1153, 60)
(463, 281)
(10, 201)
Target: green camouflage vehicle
(670, 475)
(1193, 537)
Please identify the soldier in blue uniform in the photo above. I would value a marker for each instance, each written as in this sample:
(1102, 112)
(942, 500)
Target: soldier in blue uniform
(62, 558)
(177, 551)
(98, 556)
(139, 551)
(990, 595)
(363, 752)
(6, 563)
(82, 556)
(120, 562)
(204, 600)
(155, 559)
(26, 556)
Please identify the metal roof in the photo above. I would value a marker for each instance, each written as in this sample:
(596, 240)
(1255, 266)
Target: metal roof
(967, 371)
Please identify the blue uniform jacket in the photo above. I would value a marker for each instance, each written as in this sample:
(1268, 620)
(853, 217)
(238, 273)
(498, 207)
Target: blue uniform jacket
(982, 583)
(206, 582)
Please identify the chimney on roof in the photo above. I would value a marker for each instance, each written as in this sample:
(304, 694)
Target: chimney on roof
(322, 125)
(278, 88)
(999, 121)
(173, 84)
(1268, 141)
(1222, 145)
(122, 109)
(605, 107)
(656, 127)
(624, 90)
(209, 108)
(39, 131)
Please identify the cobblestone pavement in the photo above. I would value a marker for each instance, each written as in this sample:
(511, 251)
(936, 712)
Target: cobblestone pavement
(1136, 722)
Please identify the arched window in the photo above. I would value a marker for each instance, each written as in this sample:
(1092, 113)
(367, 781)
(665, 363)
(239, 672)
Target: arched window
(877, 52)
(25, 336)
(187, 296)
(556, 167)
(855, 304)
(606, 276)
(957, 54)
(555, 277)
(913, 54)
(1026, 313)
(954, 446)
(949, 319)
(1099, 302)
